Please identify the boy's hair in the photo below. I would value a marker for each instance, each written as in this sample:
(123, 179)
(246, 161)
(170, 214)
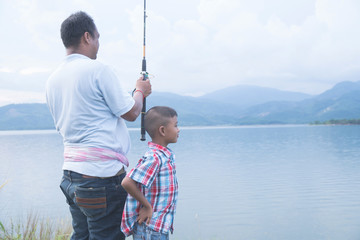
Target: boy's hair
(74, 27)
(156, 117)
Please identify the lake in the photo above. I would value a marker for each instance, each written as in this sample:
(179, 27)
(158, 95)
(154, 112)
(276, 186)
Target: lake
(295, 182)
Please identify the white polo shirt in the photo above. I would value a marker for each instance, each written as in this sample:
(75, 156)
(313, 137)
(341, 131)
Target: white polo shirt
(86, 100)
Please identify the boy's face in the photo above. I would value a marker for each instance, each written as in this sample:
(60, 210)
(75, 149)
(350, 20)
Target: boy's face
(172, 131)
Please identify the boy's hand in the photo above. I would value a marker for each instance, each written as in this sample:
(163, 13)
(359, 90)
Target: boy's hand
(145, 214)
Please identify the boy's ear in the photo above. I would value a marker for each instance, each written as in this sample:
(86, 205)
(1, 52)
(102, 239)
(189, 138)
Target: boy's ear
(162, 131)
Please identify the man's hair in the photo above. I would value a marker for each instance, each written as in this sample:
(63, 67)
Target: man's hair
(74, 27)
(156, 117)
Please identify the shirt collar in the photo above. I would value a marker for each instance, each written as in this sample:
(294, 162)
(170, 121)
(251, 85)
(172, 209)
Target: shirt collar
(75, 56)
(167, 151)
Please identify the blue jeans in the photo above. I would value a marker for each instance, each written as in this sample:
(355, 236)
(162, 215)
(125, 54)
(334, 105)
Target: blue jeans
(96, 205)
(142, 232)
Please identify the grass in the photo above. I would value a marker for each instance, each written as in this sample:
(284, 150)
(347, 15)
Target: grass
(1, 186)
(35, 228)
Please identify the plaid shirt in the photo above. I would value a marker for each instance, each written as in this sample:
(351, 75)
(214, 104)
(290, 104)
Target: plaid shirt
(155, 175)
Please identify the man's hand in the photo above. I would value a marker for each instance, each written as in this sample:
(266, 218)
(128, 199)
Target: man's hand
(144, 86)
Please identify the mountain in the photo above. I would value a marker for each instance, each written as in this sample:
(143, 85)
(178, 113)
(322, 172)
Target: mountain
(339, 90)
(231, 106)
(340, 102)
(193, 111)
(25, 116)
(246, 96)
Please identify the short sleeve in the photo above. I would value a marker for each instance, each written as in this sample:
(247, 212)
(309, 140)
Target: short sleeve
(146, 170)
(118, 100)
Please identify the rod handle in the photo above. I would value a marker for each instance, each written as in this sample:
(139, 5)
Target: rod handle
(143, 111)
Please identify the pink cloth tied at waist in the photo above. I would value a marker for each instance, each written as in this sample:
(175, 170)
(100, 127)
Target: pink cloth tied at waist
(89, 154)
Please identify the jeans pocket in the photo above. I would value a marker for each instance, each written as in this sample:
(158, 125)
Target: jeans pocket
(158, 236)
(143, 232)
(64, 186)
(91, 201)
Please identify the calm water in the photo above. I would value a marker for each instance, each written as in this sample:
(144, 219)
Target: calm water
(261, 182)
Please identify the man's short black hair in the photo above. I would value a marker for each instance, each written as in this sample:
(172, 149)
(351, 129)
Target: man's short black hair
(74, 27)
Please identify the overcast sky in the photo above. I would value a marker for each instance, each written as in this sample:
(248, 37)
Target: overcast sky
(193, 46)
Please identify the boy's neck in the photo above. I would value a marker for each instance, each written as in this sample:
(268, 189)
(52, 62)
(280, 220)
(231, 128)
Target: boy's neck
(160, 142)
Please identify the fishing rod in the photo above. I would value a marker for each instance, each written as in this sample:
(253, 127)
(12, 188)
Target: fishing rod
(145, 77)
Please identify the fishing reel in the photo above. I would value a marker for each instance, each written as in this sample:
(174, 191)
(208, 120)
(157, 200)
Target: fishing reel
(145, 75)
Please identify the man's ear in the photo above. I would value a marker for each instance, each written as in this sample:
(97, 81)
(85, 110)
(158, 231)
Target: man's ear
(87, 37)
(162, 131)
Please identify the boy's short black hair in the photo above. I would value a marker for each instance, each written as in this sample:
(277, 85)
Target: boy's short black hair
(156, 117)
(74, 27)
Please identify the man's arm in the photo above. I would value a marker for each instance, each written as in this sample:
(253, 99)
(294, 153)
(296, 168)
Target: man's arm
(146, 211)
(144, 88)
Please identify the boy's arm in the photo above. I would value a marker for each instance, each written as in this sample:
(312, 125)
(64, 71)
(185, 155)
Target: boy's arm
(146, 211)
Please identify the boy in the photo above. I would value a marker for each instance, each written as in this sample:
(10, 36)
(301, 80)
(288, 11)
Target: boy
(152, 185)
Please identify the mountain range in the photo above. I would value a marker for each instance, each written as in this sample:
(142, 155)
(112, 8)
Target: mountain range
(237, 105)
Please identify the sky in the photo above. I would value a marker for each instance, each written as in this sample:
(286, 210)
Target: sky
(193, 47)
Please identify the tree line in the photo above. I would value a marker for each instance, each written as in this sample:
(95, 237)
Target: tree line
(338, 122)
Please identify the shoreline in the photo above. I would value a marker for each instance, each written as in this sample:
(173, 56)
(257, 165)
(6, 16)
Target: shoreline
(131, 129)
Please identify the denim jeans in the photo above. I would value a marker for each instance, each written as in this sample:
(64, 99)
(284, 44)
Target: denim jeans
(142, 232)
(96, 205)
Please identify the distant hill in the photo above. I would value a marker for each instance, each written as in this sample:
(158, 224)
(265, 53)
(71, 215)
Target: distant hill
(25, 117)
(231, 106)
(194, 110)
(340, 102)
(339, 90)
(246, 96)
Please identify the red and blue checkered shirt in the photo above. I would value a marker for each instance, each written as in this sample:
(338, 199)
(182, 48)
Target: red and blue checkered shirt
(155, 175)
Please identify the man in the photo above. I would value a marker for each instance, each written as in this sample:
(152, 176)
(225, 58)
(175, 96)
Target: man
(89, 106)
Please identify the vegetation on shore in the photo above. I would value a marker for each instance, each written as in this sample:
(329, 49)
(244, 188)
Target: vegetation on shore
(338, 122)
(35, 228)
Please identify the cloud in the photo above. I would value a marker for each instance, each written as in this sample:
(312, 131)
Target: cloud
(16, 97)
(193, 46)
(24, 80)
(33, 70)
(6, 70)
(272, 48)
